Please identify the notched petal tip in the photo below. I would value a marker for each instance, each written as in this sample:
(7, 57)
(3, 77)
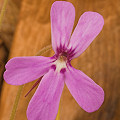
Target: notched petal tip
(5, 77)
(21, 70)
(8, 80)
(8, 64)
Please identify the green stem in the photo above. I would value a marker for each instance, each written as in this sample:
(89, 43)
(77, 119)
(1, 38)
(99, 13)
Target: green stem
(12, 116)
(3, 11)
(44, 50)
(15, 105)
(58, 114)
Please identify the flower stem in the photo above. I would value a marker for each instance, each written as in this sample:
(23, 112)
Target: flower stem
(58, 114)
(36, 83)
(3, 11)
(12, 116)
(44, 50)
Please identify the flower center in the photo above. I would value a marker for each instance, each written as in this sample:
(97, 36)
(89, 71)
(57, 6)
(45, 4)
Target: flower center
(60, 64)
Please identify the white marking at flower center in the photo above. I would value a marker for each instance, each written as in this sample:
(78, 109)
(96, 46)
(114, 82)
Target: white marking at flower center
(60, 63)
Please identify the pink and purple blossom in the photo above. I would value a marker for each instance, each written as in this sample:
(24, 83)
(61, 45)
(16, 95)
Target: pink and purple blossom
(57, 70)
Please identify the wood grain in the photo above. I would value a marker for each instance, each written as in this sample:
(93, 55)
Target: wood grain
(100, 61)
(7, 30)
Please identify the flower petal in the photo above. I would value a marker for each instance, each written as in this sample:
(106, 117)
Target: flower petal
(89, 26)
(86, 92)
(45, 102)
(62, 20)
(20, 70)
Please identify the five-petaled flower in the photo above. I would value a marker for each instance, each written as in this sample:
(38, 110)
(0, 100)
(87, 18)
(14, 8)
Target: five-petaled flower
(58, 70)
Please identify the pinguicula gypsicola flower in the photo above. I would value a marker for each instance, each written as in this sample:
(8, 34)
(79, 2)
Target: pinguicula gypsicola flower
(58, 70)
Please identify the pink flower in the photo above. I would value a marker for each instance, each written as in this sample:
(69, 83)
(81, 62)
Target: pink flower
(58, 70)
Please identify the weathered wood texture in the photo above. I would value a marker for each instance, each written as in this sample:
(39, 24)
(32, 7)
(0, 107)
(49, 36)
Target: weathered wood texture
(7, 29)
(100, 61)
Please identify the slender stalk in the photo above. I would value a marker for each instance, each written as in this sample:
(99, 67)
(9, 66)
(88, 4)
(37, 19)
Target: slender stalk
(58, 114)
(36, 83)
(12, 116)
(3, 11)
(44, 50)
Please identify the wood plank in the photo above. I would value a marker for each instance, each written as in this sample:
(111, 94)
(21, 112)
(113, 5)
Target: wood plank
(100, 61)
(7, 29)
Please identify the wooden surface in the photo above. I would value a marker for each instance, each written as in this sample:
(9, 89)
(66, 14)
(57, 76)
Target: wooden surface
(100, 61)
(7, 30)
